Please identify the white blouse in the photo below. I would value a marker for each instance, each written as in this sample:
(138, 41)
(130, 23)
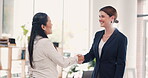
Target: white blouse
(46, 59)
(101, 44)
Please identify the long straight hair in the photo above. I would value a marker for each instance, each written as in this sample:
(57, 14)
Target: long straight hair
(38, 20)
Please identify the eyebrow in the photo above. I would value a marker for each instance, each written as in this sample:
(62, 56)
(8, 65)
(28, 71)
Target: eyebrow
(101, 15)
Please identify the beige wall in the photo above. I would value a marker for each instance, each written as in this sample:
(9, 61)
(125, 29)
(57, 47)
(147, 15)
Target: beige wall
(128, 25)
(140, 41)
(0, 25)
(1, 6)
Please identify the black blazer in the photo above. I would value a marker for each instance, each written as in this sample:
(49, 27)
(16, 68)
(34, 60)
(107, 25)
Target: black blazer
(111, 64)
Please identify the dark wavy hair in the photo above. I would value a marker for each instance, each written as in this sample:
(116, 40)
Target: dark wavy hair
(111, 11)
(38, 20)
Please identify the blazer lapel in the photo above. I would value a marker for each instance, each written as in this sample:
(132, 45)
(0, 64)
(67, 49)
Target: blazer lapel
(98, 41)
(109, 40)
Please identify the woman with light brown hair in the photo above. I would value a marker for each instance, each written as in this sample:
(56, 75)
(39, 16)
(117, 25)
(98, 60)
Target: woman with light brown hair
(109, 47)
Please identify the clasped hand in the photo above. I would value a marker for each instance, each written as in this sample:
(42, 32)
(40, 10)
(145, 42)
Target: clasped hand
(80, 58)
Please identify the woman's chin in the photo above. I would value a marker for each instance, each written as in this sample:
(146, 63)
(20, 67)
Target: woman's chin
(50, 33)
(102, 25)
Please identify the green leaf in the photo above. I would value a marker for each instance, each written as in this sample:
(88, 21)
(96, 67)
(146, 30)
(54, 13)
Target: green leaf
(25, 31)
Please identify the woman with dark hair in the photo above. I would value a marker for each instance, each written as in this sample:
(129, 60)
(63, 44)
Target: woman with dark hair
(109, 47)
(43, 56)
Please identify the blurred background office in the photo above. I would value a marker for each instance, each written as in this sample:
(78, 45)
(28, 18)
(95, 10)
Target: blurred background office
(74, 25)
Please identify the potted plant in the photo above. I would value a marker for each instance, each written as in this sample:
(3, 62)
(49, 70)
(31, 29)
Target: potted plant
(72, 70)
(92, 63)
(23, 40)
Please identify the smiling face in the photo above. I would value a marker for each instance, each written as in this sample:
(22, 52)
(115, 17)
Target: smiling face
(104, 19)
(48, 27)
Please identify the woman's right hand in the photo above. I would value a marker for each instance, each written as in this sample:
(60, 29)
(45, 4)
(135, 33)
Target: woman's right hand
(80, 58)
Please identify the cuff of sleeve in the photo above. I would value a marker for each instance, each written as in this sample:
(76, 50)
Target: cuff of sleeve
(76, 57)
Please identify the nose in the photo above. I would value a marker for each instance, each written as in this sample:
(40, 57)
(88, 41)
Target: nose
(100, 18)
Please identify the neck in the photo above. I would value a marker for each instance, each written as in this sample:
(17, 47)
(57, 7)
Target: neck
(109, 30)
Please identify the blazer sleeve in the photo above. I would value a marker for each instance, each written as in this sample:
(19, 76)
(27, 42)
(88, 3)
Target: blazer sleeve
(90, 56)
(51, 53)
(121, 58)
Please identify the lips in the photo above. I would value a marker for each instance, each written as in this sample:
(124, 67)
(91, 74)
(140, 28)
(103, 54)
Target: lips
(101, 22)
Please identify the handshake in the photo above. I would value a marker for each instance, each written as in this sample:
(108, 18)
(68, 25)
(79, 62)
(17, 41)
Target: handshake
(80, 59)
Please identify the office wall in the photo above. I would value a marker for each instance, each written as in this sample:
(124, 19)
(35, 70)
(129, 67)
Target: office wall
(128, 18)
(127, 15)
(1, 8)
(141, 44)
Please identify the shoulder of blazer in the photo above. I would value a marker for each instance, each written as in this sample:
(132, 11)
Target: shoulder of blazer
(100, 32)
(120, 34)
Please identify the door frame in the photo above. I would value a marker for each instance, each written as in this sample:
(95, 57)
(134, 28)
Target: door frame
(145, 22)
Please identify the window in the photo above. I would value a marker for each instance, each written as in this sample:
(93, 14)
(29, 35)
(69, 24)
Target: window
(15, 14)
(54, 9)
(22, 15)
(69, 17)
(76, 26)
(70, 22)
(8, 11)
(145, 12)
(146, 48)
